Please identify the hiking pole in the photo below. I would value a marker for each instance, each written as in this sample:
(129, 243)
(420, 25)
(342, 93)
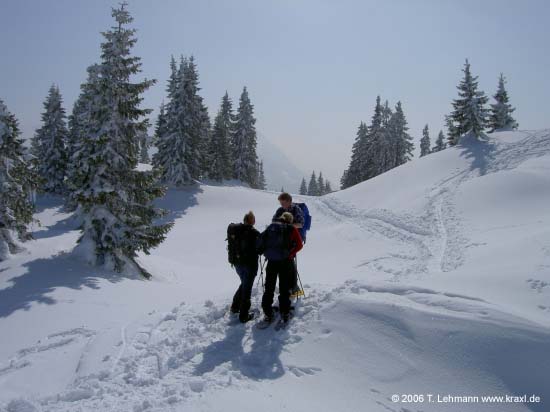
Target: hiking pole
(262, 273)
(299, 278)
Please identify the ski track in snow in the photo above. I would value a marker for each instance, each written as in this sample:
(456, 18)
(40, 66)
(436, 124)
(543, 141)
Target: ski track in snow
(434, 241)
(24, 357)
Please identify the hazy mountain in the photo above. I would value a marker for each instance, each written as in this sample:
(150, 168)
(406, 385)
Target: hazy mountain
(280, 171)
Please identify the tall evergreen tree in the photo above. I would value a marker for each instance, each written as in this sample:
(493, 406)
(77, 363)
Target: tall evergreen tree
(244, 143)
(49, 144)
(376, 152)
(313, 189)
(80, 122)
(379, 147)
(425, 142)
(16, 183)
(115, 199)
(386, 114)
(262, 184)
(500, 117)
(356, 170)
(173, 140)
(469, 112)
(303, 187)
(440, 142)
(220, 153)
(196, 121)
(320, 185)
(403, 146)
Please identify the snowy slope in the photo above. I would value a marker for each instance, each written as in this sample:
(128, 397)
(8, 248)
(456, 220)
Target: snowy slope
(432, 278)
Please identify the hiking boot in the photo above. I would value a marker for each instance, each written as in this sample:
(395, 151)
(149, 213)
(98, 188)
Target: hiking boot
(285, 317)
(246, 318)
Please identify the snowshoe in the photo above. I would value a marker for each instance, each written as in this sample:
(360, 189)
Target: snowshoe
(297, 293)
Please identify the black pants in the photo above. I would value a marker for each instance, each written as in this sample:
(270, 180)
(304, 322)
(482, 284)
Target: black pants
(241, 299)
(283, 269)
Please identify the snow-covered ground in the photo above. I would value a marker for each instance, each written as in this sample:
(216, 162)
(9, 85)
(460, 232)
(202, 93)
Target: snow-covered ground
(433, 278)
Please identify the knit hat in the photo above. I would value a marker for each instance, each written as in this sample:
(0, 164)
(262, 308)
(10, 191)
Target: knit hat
(287, 217)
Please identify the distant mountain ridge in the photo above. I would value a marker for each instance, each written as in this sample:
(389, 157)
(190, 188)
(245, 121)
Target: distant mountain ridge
(279, 170)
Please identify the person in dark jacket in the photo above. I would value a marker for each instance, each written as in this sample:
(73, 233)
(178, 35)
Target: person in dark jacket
(280, 243)
(285, 200)
(247, 270)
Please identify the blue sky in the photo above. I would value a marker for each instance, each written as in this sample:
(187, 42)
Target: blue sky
(313, 68)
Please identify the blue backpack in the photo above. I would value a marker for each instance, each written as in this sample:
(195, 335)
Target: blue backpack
(307, 221)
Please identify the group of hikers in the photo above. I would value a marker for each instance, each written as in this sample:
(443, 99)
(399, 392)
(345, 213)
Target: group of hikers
(279, 243)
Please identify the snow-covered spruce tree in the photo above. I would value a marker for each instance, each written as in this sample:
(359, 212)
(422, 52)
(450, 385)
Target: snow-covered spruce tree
(262, 184)
(376, 159)
(79, 124)
(312, 189)
(386, 114)
(320, 185)
(49, 144)
(115, 199)
(220, 153)
(303, 187)
(500, 117)
(385, 156)
(196, 122)
(356, 170)
(244, 143)
(425, 142)
(172, 138)
(440, 142)
(16, 184)
(402, 150)
(469, 112)
(173, 133)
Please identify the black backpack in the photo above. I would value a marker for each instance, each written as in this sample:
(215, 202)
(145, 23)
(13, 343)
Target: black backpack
(275, 241)
(238, 247)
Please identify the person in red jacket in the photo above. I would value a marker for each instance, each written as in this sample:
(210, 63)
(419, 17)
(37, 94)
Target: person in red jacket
(279, 243)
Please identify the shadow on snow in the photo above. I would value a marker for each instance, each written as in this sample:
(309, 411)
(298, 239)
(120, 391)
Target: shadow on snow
(176, 201)
(43, 276)
(481, 152)
(261, 362)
